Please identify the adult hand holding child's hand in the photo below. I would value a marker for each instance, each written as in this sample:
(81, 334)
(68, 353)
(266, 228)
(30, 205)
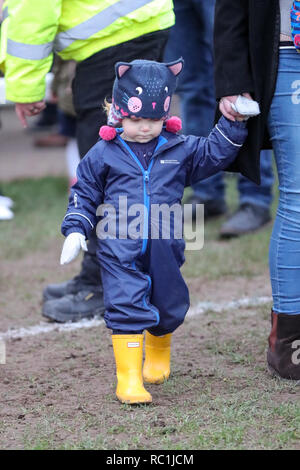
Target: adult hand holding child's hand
(226, 109)
(73, 243)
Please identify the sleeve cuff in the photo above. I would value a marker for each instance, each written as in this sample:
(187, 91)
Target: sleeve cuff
(74, 230)
(240, 124)
(234, 131)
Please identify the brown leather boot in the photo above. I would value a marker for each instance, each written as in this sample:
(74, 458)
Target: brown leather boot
(284, 346)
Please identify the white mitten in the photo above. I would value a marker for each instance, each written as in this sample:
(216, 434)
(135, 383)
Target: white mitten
(246, 107)
(72, 246)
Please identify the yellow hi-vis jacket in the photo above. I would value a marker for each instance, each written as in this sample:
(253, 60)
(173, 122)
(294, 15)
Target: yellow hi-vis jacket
(75, 29)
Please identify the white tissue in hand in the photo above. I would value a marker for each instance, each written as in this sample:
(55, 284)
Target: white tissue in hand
(73, 243)
(246, 107)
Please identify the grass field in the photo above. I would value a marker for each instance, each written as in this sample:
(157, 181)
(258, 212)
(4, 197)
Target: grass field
(57, 389)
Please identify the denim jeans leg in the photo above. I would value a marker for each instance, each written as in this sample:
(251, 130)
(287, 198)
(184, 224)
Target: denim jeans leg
(66, 124)
(284, 128)
(258, 195)
(194, 23)
(210, 189)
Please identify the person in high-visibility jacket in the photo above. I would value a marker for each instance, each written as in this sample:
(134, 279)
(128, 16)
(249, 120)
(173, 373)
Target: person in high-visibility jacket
(96, 34)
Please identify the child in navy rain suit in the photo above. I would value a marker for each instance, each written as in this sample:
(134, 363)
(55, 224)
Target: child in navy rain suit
(149, 163)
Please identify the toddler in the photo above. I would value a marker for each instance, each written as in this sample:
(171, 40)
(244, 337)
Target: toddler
(146, 161)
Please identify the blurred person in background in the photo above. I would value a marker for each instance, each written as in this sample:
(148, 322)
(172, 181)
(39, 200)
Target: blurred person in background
(96, 35)
(65, 136)
(192, 38)
(46, 120)
(62, 98)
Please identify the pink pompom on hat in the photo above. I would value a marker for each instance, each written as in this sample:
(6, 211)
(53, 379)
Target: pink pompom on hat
(143, 89)
(107, 132)
(173, 124)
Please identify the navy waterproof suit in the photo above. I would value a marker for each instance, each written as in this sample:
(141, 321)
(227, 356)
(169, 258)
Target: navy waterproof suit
(142, 283)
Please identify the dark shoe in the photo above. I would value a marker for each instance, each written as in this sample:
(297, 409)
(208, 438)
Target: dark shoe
(284, 347)
(51, 140)
(212, 208)
(74, 307)
(248, 218)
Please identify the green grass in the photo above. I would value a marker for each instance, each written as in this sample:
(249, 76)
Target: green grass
(39, 208)
(231, 418)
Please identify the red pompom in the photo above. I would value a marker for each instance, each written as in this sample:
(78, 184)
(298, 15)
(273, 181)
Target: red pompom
(107, 132)
(173, 124)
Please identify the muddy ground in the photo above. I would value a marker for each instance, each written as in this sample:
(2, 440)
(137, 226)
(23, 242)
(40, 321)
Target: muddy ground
(57, 391)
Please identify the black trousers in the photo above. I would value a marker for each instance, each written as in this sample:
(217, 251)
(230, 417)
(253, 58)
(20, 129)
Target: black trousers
(93, 83)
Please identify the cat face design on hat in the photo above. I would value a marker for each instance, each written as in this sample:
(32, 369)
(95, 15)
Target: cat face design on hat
(144, 88)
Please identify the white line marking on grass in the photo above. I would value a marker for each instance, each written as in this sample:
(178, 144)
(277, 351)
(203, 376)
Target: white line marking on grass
(44, 327)
(198, 309)
(246, 302)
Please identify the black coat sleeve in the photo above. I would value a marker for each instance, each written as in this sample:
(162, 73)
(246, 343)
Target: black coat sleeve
(231, 48)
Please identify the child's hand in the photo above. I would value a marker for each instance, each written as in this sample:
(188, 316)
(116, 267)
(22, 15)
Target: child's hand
(239, 107)
(72, 246)
(246, 106)
(226, 108)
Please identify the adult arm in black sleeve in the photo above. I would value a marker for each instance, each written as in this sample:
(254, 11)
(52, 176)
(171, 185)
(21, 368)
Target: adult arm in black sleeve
(231, 48)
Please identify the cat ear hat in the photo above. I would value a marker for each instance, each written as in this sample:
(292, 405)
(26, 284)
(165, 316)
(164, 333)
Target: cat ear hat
(143, 89)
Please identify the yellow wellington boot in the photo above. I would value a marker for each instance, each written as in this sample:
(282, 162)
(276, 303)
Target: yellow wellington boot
(128, 351)
(157, 358)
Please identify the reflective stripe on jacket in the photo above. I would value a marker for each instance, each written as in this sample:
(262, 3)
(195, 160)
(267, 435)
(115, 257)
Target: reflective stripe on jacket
(76, 29)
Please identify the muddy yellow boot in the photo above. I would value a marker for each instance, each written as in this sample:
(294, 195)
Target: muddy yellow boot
(128, 351)
(157, 358)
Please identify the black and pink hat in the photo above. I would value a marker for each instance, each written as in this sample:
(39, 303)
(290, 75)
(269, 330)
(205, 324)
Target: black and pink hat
(143, 88)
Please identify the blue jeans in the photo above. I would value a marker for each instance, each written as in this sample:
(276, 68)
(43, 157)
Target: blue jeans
(66, 124)
(284, 128)
(192, 38)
